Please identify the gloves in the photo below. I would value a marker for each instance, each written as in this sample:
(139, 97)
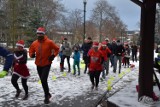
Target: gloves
(3, 74)
(33, 56)
(51, 58)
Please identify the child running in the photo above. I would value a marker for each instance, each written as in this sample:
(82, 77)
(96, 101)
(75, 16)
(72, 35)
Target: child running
(20, 69)
(76, 61)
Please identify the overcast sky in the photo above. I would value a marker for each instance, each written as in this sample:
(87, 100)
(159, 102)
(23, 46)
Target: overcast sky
(127, 10)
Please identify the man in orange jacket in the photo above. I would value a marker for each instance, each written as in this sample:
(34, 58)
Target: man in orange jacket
(45, 51)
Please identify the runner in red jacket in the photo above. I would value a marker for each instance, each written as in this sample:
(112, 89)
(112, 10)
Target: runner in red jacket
(95, 64)
(105, 52)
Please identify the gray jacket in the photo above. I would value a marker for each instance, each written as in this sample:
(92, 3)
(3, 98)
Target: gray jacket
(66, 49)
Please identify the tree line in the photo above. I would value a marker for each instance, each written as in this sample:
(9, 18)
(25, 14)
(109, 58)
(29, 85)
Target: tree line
(21, 18)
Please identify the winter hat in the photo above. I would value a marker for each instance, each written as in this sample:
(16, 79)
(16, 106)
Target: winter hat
(95, 44)
(118, 41)
(89, 38)
(103, 43)
(106, 39)
(41, 30)
(65, 39)
(114, 40)
(20, 43)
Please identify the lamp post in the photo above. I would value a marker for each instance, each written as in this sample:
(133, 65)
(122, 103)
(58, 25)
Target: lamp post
(84, 26)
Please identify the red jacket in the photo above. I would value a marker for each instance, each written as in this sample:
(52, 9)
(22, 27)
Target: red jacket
(95, 60)
(105, 52)
(43, 51)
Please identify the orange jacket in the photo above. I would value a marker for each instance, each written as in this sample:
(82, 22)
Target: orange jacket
(43, 50)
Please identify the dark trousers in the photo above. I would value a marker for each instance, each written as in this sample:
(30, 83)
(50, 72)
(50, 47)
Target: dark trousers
(112, 59)
(126, 61)
(76, 63)
(94, 77)
(68, 62)
(14, 82)
(43, 73)
(86, 61)
(134, 57)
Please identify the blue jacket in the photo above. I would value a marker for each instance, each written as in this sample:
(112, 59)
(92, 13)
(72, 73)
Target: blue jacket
(8, 58)
(76, 56)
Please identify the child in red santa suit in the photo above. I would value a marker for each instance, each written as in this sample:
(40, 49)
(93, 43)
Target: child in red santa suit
(20, 69)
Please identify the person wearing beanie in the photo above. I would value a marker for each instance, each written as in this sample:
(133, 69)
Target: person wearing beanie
(86, 46)
(134, 49)
(113, 48)
(109, 55)
(66, 53)
(127, 55)
(105, 51)
(95, 65)
(20, 69)
(118, 51)
(44, 50)
(8, 56)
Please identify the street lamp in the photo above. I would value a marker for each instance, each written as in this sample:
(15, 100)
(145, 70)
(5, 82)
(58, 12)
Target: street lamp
(84, 33)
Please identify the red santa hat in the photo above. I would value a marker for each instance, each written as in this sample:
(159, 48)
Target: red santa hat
(104, 43)
(20, 43)
(95, 44)
(41, 30)
(114, 40)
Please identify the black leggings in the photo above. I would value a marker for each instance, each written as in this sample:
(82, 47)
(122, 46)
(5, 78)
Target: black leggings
(14, 80)
(68, 62)
(86, 61)
(43, 73)
(94, 75)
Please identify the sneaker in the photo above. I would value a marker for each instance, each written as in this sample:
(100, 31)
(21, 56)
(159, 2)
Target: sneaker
(146, 100)
(25, 97)
(46, 100)
(18, 93)
(49, 95)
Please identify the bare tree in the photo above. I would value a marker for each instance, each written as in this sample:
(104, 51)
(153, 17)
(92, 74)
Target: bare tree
(75, 24)
(104, 14)
(91, 30)
(24, 16)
